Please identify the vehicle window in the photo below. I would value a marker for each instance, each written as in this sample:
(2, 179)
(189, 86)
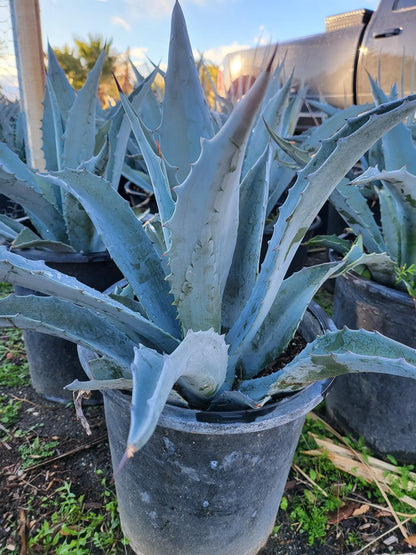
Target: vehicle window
(401, 4)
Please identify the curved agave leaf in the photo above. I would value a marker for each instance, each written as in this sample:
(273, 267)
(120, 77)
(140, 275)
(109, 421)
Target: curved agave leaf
(36, 275)
(150, 112)
(200, 360)
(398, 147)
(292, 113)
(354, 209)
(68, 321)
(64, 92)
(299, 155)
(154, 163)
(116, 224)
(52, 129)
(398, 213)
(9, 227)
(120, 129)
(296, 293)
(333, 354)
(259, 137)
(19, 183)
(79, 139)
(245, 267)
(27, 239)
(58, 99)
(311, 139)
(321, 175)
(98, 163)
(185, 113)
(201, 252)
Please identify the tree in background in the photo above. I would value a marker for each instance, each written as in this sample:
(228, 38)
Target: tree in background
(78, 61)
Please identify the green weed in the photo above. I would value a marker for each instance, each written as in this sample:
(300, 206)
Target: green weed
(73, 528)
(35, 450)
(9, 413)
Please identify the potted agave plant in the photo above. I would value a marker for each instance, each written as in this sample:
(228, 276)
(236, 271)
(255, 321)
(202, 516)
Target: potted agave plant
(57, 229)
(381, 297)
(179, 348)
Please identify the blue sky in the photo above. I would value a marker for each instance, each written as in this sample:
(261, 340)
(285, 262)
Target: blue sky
(216, 27)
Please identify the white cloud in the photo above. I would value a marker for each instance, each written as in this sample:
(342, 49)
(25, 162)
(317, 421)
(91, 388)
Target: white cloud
(138, 55)
(120, 22)
(157, 9)
(217, 55)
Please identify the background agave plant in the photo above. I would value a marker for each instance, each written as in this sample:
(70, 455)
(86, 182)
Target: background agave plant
(198, 310)
(380, 204)
(76, 133)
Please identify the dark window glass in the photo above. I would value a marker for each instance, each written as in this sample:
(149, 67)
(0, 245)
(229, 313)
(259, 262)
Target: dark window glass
(400, 4)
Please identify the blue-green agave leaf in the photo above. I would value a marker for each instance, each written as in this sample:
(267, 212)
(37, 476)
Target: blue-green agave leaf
(100, 385)
(139, 178)
(19, 183)
(9, 227)
(398, 147)
(333, 354)
(116, 224)
(354, 209)
(36, 275)
(299, 155)
(398, 212)
(81, 124)
(200, 360)
(69, 321)
(254, 191)
(313, 137)
(321, 175)
(98, 163)
(120, 129)
(201, 252)
(291, 114)
(185, 113)
(27, 239)
(259, 137)
(294, 297)
(52, 129)
(64, 91)
(154, 163)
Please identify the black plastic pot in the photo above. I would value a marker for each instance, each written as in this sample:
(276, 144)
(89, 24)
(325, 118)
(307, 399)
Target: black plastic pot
(54, 362)
(381, 409)
(207, 483)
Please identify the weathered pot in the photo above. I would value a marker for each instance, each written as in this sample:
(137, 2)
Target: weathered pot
(54, 362)
(380, 409)
(206, 482)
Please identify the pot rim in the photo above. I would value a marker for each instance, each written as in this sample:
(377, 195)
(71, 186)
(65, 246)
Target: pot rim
(279, 413)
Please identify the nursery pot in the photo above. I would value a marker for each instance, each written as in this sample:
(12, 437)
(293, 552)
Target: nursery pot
(381, 409)
(206, 483)
(54, 362)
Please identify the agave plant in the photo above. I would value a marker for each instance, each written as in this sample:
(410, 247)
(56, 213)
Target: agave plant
(389, 182)
(76, 134)
(197, 310)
